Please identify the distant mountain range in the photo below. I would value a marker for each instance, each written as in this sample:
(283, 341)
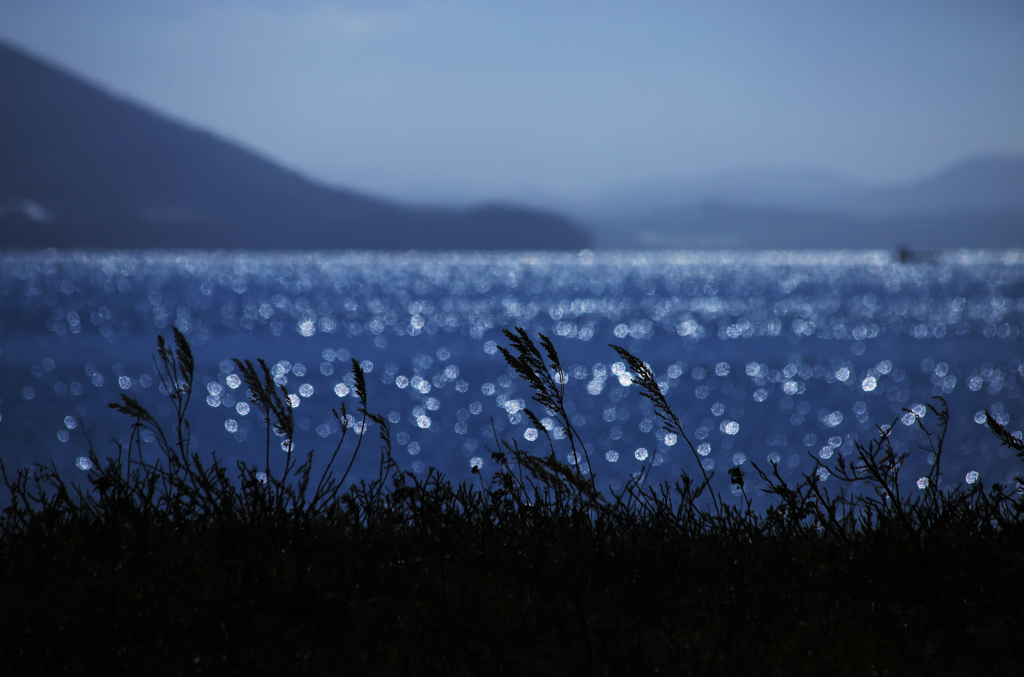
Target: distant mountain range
(974, 204)
(82, 168)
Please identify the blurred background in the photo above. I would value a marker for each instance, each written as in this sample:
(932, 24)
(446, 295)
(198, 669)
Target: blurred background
(510, 125)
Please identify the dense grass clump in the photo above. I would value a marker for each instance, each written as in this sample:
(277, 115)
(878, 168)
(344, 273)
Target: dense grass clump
(170, 564)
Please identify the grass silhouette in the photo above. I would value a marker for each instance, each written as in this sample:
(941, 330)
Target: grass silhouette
(166, 563)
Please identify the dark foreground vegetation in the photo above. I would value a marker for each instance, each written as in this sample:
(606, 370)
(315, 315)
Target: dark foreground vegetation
(167, 563)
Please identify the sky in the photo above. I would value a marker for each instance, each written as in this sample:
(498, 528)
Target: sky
(469, 100)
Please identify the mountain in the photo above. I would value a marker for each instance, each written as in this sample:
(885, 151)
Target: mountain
(984, 184)
(980, 185)
(978, 203)
(715, 225)
(80, 167)
(805, 189)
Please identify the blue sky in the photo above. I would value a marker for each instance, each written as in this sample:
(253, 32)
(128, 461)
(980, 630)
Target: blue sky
(468, 100)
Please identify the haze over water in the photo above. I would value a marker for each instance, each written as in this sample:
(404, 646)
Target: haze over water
(770, 356)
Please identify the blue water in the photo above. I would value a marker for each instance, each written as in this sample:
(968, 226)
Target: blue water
(784, 356)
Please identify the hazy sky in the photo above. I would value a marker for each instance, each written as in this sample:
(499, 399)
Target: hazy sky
(478, 99)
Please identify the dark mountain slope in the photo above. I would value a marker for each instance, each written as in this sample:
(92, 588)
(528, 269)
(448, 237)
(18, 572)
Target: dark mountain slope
(82, 168)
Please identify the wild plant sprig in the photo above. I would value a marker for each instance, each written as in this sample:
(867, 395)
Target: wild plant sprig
(176, 371)
(264, 396)
(643, 376)
(360, 390)
(1004, 435)
(327, 476)
(547, 382)
(175, 367)
(935, 445)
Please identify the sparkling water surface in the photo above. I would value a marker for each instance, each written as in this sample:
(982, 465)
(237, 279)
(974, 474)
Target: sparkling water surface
(779, 356)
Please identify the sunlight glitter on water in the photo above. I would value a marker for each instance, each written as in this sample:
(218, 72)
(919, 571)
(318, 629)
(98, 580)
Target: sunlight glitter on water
(757, 352)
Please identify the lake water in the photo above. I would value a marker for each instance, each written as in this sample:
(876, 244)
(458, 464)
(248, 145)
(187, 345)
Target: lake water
(785, 356)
